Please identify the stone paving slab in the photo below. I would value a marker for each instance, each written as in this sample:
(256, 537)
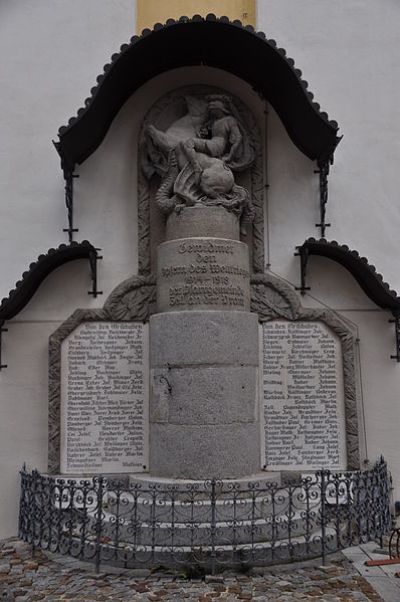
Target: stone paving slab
(381, 578)
(57, 578)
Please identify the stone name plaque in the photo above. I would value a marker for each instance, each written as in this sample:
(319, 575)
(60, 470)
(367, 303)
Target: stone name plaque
(303, 391)
(203, 273)
(105, 398)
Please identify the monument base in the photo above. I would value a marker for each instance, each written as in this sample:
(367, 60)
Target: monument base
(262, 478)
(204, 408)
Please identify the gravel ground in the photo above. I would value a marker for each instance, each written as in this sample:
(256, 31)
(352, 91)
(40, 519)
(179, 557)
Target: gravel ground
(57, 578)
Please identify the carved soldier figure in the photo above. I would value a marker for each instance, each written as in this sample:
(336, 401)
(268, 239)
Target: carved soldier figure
(199, 169)
(227, 139)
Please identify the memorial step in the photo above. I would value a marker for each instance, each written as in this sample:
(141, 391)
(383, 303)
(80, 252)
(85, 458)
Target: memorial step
(262, 553)
(184, 508)
(194, 533)
(261, 478)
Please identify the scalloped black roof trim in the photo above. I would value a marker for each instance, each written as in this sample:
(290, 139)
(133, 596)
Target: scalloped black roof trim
(366, 275)
(38, 271)
(212, 41)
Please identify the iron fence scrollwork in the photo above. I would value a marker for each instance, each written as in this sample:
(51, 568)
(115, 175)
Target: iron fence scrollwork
(207, 524)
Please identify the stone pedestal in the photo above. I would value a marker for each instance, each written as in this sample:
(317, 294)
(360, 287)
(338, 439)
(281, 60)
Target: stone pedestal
(204, 354)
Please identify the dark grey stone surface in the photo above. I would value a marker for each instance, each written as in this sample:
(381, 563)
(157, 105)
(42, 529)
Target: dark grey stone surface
(204, 451)
(203, 221)
(204, 407)
(203, 273)
(204, 395)
(204, 337)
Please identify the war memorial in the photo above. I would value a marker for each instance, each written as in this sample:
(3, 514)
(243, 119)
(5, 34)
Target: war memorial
(204, 411)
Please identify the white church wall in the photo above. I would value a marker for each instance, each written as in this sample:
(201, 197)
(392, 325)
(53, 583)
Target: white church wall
(380, 387)
(23, 418)
(347, 52)
(52, 53)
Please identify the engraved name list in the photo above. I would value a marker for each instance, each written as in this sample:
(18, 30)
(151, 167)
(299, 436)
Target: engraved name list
(104, 398)
(303, 396)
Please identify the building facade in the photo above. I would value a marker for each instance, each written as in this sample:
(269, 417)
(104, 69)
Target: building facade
(55, 50)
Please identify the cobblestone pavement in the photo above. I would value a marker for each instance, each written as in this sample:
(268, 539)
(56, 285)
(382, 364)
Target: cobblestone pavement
(42, 578)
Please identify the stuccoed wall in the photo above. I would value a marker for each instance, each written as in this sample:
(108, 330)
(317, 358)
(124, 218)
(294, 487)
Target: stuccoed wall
(54, 50)
(347, 52)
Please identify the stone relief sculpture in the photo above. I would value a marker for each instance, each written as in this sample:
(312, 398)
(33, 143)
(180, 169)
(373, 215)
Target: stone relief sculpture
(200, 146)
(198, 155)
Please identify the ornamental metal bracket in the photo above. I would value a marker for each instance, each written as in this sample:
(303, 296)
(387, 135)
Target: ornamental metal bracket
(69, 176)
(323, 171)
(302, 252)
(93, 258)
(396, 322)
(1, 336)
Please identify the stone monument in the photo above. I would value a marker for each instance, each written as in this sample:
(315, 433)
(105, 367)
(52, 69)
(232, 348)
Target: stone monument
(204, 410)
(203, 365)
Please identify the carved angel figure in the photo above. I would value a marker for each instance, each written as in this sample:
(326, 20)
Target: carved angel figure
(197, 155)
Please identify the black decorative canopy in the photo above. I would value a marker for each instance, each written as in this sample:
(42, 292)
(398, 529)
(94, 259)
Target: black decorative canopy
(31, 280)
(214, 42)
(365, 274)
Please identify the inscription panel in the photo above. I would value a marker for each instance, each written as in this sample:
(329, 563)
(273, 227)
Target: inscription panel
(303, 392)
(201, 273)
(105, 398)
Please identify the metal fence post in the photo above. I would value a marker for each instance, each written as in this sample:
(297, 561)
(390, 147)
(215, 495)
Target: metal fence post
(100, 486)
(32, 514)
(381, 495)
(323, 515)
(213, 525)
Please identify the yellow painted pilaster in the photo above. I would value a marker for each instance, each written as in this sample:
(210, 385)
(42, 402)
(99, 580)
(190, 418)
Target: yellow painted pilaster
(149, 12)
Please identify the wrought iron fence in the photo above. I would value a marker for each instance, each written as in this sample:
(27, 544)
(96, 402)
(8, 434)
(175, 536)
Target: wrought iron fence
(209, 524)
